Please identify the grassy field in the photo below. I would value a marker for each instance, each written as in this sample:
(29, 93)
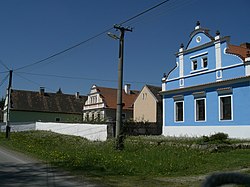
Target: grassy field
(155, 161)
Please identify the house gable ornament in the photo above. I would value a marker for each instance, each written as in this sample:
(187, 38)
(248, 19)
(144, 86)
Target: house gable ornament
(198, 37)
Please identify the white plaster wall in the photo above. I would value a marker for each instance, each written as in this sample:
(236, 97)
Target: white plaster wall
(240, 132)
(90, 131)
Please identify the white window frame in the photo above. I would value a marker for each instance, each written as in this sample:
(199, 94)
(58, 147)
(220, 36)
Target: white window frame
(202, 62)
(220, 110)
(194, 60)
(183, 111)
(195, 109)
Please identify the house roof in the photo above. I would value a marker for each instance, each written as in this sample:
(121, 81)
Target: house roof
(243, 51)
(46, 102)
(109, 96)
(155, 91)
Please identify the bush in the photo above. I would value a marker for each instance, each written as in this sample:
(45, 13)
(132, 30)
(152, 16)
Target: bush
(219, 137)
(216, 138)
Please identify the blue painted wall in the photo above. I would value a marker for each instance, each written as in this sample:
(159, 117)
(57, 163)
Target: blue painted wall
(241, 105)
(231, 67)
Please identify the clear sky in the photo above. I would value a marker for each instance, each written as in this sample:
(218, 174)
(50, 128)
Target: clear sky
(33, 30)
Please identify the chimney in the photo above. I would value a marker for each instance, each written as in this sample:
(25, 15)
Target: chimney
(127, 88)
(245, 45)
(42, 90)
(77, 95)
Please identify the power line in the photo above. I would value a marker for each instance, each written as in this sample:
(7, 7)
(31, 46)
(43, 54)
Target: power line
(65, 50)
(144, 12)
(67, 77)
(84, 78)
(1, 62)
(33, 82)
(168, 8)
(91, 38)
(4, 79)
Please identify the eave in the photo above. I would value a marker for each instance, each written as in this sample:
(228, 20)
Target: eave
(207, 85)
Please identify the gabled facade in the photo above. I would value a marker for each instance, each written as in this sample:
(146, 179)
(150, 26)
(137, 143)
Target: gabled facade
(148, 105)
(32, 106)
(208, 91)
(101, 104)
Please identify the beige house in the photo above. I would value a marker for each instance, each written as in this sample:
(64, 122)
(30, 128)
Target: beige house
(148, 105)
(101, 104)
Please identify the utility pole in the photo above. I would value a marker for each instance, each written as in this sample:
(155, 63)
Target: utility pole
(8, 106)
(119, 136)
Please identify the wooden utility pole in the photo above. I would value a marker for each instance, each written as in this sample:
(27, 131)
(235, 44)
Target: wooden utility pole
(8, 105)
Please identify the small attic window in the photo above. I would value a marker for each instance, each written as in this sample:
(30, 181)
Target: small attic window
(204, 62)
(194, 65)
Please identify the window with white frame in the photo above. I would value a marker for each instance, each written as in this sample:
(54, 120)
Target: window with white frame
(225, 107)
(204, 62)
(200, 109)
(93, 99)
(194, 65)
(179, 111)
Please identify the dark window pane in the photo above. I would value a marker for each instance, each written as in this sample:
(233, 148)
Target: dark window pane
(179, 111)
(226, 113)
(205, 62)
(200, 110)
(195, 65)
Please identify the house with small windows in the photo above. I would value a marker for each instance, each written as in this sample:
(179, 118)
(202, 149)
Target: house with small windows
(101, 104)
(208, 90)
(148, 105)
(33, 106)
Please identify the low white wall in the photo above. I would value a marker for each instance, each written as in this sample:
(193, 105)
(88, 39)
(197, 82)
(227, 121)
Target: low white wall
(17, 127)
(241, 132)
(90, 131)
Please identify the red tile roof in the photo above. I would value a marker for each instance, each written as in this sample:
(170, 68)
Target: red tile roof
(243, 51)
(109, 96)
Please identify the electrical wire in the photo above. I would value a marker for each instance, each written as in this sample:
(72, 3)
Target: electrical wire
(144, 12)
(4, 79)
(33, 82)
(91, 38)
(167, 10)
(65, 50)
(1, 62)
(82, 78)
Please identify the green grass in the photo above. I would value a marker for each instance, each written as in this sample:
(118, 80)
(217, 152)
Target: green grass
(143, 159)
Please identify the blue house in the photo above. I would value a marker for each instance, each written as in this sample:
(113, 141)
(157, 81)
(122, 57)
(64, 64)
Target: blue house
(208, 91)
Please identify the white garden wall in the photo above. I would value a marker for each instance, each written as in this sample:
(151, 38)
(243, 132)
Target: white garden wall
(92, 132)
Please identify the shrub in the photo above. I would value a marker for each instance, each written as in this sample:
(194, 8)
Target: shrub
(216, 138)
(219, 137)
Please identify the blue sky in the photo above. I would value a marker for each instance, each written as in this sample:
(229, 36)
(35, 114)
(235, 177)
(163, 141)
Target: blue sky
(34, 30)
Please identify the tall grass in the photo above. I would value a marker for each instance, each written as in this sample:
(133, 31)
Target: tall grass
(140, 157)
